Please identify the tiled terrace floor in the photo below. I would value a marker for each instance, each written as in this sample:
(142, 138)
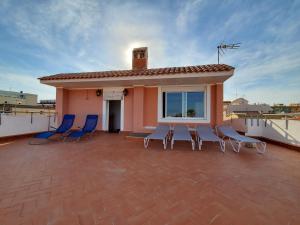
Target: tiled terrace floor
(112, 180)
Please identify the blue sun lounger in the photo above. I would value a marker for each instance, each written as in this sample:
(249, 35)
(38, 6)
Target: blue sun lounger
(236, 140)
(206, 134)
(89, 127)
(65, 126)
(161, 132)
(181, 133)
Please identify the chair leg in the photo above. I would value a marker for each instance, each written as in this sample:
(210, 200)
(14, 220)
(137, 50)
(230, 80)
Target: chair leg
(165, 143)
(146, 143)
(193, 144)
(233, 143)
(169, 136)
(200, 144)
(172, 143)
(239, 146)
(222, 145)
(262, 148)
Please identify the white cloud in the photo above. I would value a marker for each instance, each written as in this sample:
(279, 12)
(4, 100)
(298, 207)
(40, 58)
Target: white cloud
(266, 76)
(132, 25)
(79, 33)
(267, 61)
(48, 23)
(188, 13)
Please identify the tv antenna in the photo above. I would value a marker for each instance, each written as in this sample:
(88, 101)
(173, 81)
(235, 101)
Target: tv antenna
(222, 47)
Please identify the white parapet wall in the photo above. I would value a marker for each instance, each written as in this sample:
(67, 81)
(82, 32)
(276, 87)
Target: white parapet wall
(11, 124)
(285, 131)
(238, 124)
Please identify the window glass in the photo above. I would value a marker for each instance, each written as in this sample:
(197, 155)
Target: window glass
(174, 104)
(183, 104)
(195, 104)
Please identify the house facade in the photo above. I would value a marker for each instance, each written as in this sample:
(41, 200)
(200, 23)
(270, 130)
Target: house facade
(137, 100)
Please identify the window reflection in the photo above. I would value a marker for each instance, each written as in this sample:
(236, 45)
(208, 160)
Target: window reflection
(184, 104)
(195, 104)
(174, 104)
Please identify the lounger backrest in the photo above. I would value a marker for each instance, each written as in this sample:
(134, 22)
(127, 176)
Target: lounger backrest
(163, 127)
(206, 133)
(66, 124)
(227, 131)
(204, 129)
(181, 128)
(90, 123)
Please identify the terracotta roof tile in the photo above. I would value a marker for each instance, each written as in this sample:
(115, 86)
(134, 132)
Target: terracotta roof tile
(147, 72)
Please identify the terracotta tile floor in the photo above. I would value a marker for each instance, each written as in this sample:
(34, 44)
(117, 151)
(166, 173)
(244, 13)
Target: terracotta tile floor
(112, 180)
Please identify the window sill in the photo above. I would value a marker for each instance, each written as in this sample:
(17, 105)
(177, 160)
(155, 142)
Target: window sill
(183, 120)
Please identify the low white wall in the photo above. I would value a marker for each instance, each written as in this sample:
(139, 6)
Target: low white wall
(21, 124)
(276, 130)
(237, 124)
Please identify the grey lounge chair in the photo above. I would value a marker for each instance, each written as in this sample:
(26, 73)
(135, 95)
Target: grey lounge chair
(206, 133)
(181, 133)
(236, 140)
(161, 133)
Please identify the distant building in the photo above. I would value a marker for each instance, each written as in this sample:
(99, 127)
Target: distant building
(27, 108)
(282, 108)
(19, 102)
(47, 102)
(17, 98)
(295, 107)
(225, 105)
(241, 105)
(239, 101)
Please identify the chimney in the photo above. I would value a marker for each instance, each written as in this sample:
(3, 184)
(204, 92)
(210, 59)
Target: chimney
(140, 58)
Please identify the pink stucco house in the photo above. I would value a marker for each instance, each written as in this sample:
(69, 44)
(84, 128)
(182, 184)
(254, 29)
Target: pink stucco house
(138, 99)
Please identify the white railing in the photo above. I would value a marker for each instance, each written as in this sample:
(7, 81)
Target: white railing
(25, 123)
(285, 130)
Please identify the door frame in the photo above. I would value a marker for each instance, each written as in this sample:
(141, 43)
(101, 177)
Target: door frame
(105, 115)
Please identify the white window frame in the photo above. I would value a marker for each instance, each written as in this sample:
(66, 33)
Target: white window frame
(198, 88)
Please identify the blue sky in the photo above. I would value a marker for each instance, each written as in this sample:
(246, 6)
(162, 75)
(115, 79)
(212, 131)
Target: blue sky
(46, 37)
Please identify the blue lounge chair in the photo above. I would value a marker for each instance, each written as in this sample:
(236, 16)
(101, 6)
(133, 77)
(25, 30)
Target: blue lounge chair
(206, 133)
(181, 133)
(65, 126)
(89, 127)
(236, 140)
(162, 132)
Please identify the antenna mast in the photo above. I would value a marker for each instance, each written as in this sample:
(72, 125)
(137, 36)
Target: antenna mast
(222, 47)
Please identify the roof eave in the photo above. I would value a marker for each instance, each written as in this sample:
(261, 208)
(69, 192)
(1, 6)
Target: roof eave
(141, 77)
(183, 79)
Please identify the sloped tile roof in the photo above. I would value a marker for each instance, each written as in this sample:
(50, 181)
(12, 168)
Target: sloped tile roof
(146, 72)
